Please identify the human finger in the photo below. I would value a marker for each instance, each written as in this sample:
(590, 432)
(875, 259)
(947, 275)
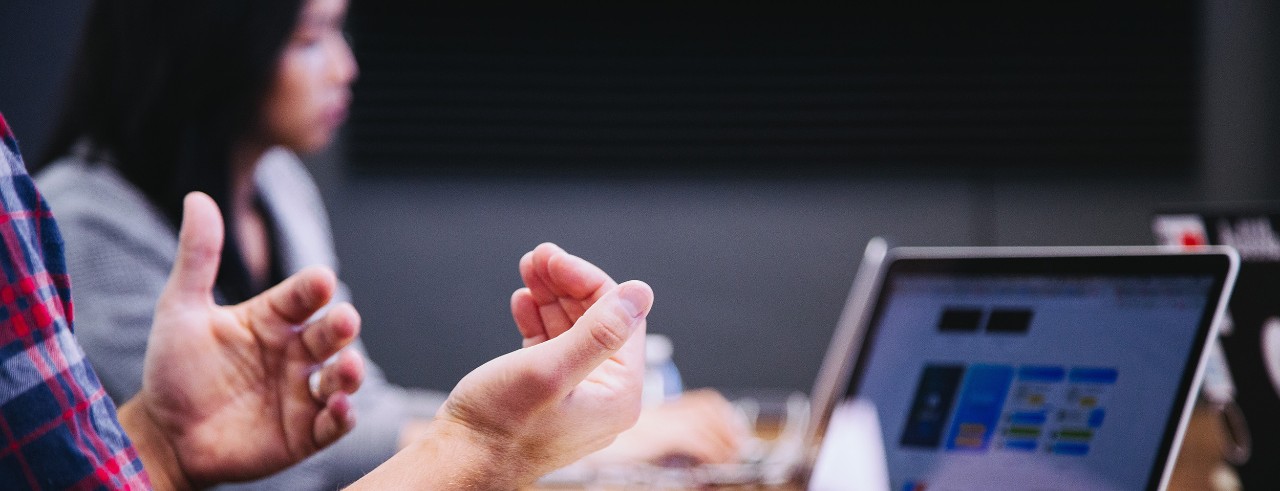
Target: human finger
(199, 252)
(344, 374)
(563, 285)
(525, 311)
(533, 267)
(336, 329)
(276, 312)
(334, 420)
(546, 287)
(554, 275)
(578, 278)
(580, 284)
(603, 331)
(552, 318)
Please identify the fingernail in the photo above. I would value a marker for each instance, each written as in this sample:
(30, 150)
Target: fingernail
(634, 300)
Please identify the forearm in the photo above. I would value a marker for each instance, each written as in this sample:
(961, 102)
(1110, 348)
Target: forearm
(450, 456)
(158, 456)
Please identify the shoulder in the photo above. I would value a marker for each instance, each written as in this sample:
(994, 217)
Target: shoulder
(10, 157)
(74, 180)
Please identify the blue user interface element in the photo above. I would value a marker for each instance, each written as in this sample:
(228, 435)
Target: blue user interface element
(979, 408)
(1029, 379)
(1021, 409)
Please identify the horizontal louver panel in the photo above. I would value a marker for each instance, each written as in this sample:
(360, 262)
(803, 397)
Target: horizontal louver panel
(559, 87)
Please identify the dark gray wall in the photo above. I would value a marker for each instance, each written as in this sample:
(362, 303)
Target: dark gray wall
(750, 275)
(37, 40)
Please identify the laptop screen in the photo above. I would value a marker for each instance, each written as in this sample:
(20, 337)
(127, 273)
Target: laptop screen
(1044, 373)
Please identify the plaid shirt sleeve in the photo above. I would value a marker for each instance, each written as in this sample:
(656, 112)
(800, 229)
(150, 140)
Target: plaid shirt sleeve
(58, 428)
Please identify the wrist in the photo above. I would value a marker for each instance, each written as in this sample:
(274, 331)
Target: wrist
(154, 448)
(484, 460)
(452, 455)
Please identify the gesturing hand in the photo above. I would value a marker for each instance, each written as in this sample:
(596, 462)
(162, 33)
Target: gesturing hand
(559, 288)
(225, 392)
(572, 388)
(701, 426)
(576, 383)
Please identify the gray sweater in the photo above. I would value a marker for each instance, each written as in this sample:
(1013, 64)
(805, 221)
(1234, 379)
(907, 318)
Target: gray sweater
(119, 250)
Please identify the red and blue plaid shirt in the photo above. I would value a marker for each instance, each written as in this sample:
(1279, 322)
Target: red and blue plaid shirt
(58, 428)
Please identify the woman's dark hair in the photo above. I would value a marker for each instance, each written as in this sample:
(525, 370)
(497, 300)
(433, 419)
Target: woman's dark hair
(166, 88)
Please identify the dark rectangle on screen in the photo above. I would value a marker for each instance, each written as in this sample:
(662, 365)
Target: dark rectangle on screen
(960, 319)
(1010, 321)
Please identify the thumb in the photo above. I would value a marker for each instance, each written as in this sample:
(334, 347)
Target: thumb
(199, 251)
(605, 330)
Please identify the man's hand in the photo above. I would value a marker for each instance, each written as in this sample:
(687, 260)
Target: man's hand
(552, 403)
(565, 394)
(699, 427)
(559, 288)
(225, 393)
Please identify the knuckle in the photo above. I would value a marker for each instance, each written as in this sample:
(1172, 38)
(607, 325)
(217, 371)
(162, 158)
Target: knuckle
(609, 332)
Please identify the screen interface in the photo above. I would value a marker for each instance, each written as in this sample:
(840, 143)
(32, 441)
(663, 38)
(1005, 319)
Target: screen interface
(1029, 382)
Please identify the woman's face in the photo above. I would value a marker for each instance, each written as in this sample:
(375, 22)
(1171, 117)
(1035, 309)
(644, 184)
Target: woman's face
(312, 89)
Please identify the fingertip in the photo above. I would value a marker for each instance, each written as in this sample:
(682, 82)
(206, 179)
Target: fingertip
(519, 296)
(320, 283)
(548, 248)
(524, 310)
(542, 256)
(195, 267)
(523, 305)
(350, 371)
(195, 197)
(199, 198)
(578, 277)
(339, 403)
(636, 297)
(639, 285)
(346, 322)
(336, 419)
(336, 330)
(200, 212)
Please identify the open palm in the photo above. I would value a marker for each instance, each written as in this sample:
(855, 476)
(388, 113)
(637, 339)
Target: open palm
(228, 386)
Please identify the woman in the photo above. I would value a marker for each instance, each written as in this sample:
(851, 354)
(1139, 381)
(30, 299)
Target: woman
(217, 96)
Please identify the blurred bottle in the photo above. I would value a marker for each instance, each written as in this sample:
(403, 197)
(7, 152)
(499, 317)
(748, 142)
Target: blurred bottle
(661, 377)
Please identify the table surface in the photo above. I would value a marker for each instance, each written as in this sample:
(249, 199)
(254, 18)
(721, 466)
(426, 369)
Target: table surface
(1199, 466)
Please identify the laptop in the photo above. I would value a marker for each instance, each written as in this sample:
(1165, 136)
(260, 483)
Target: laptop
(1015, 368)
(1242, 379)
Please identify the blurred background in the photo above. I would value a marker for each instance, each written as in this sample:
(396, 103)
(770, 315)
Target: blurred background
(738, 157)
